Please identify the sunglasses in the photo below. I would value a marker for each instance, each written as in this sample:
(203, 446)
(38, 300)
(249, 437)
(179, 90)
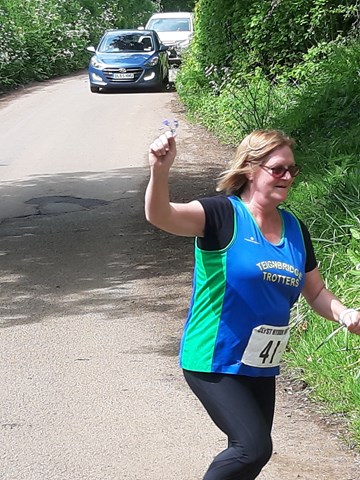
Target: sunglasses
(279, 172)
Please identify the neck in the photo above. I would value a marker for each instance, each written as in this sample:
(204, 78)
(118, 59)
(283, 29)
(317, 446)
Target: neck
(267, 218)
(259, 209)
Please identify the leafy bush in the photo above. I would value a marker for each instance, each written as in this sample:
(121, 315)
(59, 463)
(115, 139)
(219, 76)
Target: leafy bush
(327, 101)
(273, 35)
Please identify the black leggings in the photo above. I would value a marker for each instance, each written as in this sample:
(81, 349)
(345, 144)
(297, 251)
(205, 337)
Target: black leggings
(243, 408)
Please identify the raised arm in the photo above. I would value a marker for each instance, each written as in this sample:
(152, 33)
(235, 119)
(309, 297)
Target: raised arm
(327, 304)
(186, 219)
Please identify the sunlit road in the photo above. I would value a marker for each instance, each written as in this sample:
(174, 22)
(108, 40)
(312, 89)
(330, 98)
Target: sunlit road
(61, 130)
(93, 300)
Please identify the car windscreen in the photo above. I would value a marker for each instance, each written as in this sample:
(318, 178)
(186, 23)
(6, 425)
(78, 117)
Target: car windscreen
(169, 24)
(125, 42)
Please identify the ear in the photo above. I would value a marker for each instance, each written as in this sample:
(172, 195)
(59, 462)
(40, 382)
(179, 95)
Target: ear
(250, 174)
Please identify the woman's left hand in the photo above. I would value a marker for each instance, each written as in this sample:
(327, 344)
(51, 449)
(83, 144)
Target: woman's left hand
(352, 321)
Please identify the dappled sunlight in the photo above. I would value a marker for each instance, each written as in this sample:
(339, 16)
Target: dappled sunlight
(11, 278)
(103, 261)
(59, 264)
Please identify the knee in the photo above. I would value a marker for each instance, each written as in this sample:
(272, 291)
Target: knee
(255, 456)
(239, 461)
(260, 454)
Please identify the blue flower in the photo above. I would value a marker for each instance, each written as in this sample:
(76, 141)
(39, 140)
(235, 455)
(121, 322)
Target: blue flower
(171, 125)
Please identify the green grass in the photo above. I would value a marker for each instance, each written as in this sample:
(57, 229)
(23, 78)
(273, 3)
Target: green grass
(328, 357)
(329, 366)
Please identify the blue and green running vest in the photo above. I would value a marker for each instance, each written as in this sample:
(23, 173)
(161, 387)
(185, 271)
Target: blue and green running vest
(250, 283)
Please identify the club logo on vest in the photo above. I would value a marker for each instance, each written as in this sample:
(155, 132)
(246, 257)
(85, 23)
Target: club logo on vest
(251, 240)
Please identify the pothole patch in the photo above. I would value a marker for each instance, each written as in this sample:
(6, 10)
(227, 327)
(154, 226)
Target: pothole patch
(57, 204)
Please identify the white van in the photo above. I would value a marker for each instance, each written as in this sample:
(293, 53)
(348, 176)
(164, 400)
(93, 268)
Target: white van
(175, 30)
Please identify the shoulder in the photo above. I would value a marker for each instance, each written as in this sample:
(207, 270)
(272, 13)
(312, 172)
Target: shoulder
(217, 202)
(218, 210)
(219, 222)
(303, 227)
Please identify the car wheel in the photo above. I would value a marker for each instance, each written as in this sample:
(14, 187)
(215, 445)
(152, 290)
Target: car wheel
(157, 87)
(94, 89)
(162, 85)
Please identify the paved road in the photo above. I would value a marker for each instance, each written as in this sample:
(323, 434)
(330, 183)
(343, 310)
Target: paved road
(94, 298)
(90, 384)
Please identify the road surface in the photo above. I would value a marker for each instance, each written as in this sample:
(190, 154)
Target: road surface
(93, 300)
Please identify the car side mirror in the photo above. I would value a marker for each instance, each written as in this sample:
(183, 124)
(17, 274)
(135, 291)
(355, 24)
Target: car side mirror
(91, 49)
(141, 28)
(163, 48)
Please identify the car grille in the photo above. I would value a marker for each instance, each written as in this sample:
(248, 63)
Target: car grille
(109, 73)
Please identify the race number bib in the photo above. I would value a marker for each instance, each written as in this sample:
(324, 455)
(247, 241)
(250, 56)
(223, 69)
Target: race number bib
(266, 345)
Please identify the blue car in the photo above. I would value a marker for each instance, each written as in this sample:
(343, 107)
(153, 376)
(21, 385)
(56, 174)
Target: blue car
(129, 59)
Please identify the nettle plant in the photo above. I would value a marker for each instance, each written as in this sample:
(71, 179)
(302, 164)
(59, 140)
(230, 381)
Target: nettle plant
(248, 100)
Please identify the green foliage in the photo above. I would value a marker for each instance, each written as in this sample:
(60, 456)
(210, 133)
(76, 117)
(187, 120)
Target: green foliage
(177, 5)
(273, 35)
(327, 101)
(212, 42)
(43, 38)
(332, 371)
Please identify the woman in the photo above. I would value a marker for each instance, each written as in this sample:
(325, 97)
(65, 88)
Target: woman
(252, 261)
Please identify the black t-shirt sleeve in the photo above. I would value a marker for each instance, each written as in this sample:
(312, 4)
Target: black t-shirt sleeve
(311, 262)
(219, 223)
(219, 228)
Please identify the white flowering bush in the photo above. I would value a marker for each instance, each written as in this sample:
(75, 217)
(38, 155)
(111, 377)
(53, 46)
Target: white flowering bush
(44, 38)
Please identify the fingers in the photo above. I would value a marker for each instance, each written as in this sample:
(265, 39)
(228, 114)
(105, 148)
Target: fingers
(352, 322)
(163, 144)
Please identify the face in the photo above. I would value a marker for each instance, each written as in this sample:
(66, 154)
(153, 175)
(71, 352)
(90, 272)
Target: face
(271, 181)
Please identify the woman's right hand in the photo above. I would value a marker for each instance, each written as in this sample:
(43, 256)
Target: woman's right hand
(185, 219)
(162, 151)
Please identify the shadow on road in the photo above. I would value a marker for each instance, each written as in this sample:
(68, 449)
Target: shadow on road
(102, 260)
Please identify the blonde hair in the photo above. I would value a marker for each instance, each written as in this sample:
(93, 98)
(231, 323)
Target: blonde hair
(253, 150)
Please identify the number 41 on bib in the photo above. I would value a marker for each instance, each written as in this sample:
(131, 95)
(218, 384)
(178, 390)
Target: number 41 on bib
(266, 346)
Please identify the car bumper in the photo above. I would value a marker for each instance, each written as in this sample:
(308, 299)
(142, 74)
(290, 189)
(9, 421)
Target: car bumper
(109, 78)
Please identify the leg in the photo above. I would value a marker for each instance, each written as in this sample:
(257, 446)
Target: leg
(243, 408)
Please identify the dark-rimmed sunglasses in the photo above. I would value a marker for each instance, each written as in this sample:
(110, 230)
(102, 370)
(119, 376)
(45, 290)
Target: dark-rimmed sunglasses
(279, 172)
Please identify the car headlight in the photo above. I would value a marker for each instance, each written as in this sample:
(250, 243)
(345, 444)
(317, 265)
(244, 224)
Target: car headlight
(96, 63)
(152, 62)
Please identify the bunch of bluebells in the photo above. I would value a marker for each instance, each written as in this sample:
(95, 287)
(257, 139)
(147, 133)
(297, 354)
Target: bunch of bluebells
(172, 125)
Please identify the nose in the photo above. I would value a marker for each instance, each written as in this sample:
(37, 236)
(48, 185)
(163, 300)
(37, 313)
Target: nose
(287, 175)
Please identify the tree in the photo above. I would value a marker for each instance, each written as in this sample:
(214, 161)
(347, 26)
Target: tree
(177, 5)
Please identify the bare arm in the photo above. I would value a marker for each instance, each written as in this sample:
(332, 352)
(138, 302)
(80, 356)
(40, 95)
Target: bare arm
(186, 219)
(327, 304)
